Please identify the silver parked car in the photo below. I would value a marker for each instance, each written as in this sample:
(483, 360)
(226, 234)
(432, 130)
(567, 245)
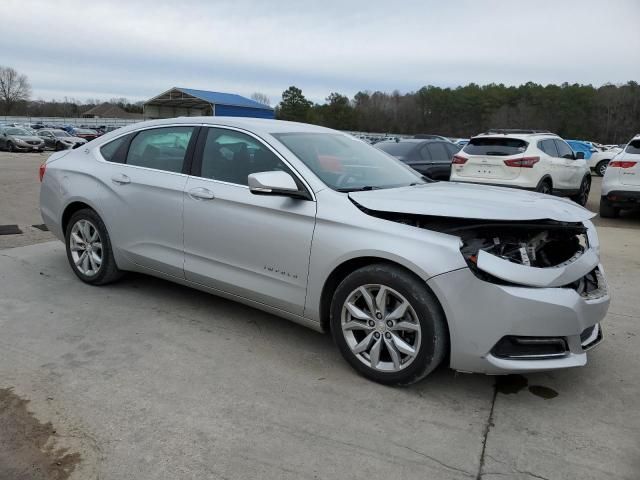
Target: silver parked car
(18, 139)
(318, 227)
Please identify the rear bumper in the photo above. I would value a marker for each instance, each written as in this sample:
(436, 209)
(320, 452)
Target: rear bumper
(480, 314)
(519, 183)
(623, 198)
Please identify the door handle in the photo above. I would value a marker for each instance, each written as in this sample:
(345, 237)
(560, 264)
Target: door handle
(120, 179)
(201, 193)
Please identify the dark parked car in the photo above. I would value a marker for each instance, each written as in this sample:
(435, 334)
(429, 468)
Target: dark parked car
(85, 133)
(16, 139)
(59, 139)
(432, 158)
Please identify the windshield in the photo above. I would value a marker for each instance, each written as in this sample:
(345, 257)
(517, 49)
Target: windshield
(347, 164)
(397, 149)
(60, 133)
(16, 131)
(495, 146)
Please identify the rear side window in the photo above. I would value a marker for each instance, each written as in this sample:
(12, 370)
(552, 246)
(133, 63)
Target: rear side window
(495, 146)
(396, 149)
(549, 147)
(160, 148)
(438, 152)
(110, 151)
(633, 147)
(564, 150)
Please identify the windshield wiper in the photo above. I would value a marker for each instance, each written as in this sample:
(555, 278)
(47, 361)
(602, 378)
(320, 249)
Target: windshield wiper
(357, 189)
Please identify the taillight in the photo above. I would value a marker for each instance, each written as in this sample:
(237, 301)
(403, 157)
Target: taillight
(42, 170)
(458, 160)
(621, 164)
(525, 162)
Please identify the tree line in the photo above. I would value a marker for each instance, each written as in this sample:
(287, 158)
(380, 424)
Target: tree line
(607, 114)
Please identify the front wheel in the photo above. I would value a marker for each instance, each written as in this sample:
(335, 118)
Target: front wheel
(582, 196)
(10, 147)
(388, 325)
(89, 249)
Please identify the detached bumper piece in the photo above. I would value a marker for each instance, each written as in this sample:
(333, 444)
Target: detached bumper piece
(591, 337)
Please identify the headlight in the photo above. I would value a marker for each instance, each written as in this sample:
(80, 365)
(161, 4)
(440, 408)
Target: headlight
(20, 142)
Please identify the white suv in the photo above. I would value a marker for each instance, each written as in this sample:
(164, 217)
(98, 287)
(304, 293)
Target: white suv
(524, 159)
(621, 182)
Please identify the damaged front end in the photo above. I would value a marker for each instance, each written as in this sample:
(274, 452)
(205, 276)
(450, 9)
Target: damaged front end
(532, 253)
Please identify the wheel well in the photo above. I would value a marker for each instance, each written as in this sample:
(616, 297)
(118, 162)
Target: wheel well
(69, 211)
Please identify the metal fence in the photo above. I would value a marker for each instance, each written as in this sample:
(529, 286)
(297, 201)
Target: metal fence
(94, 122)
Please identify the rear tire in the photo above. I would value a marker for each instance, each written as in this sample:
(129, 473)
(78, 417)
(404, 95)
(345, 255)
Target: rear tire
(89, 249)
(545, 187)
(403, 340)
(607, 210)
(601, 167)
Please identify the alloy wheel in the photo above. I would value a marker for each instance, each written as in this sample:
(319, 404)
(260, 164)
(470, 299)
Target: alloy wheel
(602, 168)
(381, 328)
(86, 247)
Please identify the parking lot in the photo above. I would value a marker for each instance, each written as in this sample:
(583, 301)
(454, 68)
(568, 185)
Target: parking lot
(146, 379)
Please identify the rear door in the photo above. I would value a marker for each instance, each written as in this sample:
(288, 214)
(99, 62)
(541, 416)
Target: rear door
(487, 157)
(253, 246)
(145, 177)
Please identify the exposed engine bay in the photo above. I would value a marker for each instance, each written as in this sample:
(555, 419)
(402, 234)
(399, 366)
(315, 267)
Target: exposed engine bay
(539, 244)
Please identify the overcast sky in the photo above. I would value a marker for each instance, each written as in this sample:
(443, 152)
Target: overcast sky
(137, 49)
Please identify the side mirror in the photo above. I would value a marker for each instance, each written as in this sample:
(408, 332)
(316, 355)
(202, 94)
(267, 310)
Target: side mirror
(275, 183)
(580, 156)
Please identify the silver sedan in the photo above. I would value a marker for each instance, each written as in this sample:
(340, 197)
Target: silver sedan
(318, 227)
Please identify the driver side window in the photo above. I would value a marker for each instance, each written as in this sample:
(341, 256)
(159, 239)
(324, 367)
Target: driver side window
(230, 156)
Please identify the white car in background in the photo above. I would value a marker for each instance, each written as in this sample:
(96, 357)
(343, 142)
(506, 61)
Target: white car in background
(525, 159)
(599, 160)
(621, 182)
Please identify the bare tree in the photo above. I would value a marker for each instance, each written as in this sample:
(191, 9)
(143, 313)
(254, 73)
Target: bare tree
(261, 98)
(14, 88)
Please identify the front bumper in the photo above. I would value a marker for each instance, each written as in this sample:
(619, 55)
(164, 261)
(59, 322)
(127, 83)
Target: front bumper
(29, 148)
(480, 314)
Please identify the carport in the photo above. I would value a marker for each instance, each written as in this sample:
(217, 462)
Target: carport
(187, 102)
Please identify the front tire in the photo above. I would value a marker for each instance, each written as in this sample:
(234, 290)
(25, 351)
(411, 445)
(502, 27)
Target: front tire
(388, 325)
(10, 147)
(607, 210)
(582, 196)
(89, 249)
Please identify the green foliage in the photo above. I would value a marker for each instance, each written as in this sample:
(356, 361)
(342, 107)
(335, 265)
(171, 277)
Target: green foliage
(294, 106)
(609, 114)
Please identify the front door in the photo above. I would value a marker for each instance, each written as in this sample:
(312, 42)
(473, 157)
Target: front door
(253, 246)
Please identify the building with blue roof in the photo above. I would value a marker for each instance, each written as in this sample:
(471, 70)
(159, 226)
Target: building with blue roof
(187, 102)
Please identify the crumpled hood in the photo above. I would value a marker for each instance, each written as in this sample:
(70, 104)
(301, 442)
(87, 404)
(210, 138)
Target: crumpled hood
(464, 200)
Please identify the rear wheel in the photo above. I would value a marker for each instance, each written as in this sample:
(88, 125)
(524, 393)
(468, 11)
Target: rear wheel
(89, 249)
(601, 167)
(582, 196)
(545, 187)
(388, 325)
(607, 210)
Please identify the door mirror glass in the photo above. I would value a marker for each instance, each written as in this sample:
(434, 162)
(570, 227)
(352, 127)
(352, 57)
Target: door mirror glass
(274, 183)
(579, 155)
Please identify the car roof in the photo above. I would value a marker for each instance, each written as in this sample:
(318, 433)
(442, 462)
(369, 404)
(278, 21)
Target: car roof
(521, 136)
